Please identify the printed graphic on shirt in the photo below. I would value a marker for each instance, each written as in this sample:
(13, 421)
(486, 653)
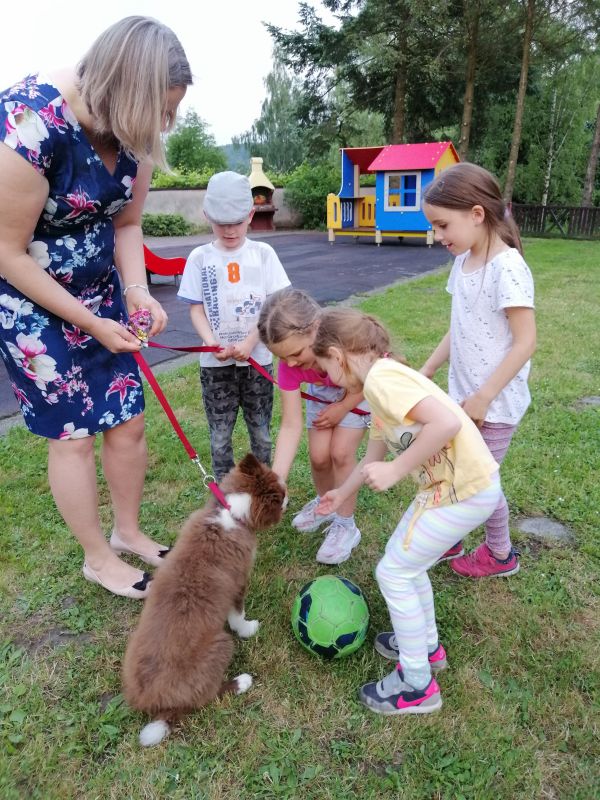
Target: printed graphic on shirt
(250, 308)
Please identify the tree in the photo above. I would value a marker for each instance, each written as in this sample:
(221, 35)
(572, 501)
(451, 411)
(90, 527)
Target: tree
(275, 135)
(559, 29)
(191, 148)
(590, 174)
(389, 54)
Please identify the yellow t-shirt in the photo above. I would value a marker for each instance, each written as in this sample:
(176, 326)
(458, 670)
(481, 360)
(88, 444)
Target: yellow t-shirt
(459, 470)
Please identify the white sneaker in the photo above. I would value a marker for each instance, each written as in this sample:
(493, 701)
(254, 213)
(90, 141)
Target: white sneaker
(338, 544)
(307, 521)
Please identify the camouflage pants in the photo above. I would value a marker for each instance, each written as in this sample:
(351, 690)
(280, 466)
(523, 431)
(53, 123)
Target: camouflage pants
(224, 391)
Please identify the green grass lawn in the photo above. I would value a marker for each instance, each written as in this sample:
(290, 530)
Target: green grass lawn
(521, 694)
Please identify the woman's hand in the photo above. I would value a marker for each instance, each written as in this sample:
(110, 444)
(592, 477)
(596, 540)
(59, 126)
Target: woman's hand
(330, 502)
(139, 298)
(380, 475)
(114, 336)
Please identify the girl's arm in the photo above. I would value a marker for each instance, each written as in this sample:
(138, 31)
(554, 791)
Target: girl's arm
(22, 200)
(334, 413)
(440, 355)
(333, 499)
(205, 332)
(440, 425)
(290, 432)
(129, 252)
(522, 326)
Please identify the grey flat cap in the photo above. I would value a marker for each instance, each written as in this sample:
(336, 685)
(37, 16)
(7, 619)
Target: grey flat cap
(228, 199)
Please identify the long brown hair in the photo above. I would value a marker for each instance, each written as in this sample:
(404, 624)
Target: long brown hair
(352, 332)
(285, 313)
(466, 185)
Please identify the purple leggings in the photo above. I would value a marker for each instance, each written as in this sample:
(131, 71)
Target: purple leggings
(497, 436)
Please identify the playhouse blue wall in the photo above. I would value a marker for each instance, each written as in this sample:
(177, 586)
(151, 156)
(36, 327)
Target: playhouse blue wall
(348, 189)
(413, 221)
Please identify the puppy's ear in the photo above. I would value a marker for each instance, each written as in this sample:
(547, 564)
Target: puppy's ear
(250, 465)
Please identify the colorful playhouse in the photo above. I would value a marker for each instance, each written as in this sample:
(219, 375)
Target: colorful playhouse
(403, 171)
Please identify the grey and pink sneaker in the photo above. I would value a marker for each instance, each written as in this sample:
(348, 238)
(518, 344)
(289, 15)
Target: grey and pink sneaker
(386, 645)
(482, 563)
(392, 695)
(307, 520)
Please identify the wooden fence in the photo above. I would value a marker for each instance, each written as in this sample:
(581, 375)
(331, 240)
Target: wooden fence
(566, 221)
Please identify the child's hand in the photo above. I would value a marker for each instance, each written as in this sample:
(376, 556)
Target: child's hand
(380, 475)
(329, 503)
(476, 408)
(241, 351)
(224, 353)
(330, 416)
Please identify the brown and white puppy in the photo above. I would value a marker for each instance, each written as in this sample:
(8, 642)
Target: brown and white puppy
(177, 656)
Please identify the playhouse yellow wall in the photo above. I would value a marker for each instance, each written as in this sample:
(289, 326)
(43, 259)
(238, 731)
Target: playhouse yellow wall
(448, 159)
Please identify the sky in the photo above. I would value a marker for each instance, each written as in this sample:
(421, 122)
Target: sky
(228, 47)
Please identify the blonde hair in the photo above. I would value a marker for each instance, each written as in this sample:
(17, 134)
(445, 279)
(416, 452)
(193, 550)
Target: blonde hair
(466, 185)
(124, 79)
(352, 333)
(285, 313)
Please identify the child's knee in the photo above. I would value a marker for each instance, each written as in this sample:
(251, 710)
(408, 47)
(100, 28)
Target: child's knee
(321, 461)
(342, 458)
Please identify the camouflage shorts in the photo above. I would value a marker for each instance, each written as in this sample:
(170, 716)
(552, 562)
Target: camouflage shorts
(224, 391)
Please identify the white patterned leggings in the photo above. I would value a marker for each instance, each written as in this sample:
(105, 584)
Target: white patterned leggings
(403, 580)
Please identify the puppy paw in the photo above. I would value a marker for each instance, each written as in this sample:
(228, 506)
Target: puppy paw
(243, 683)
(154, 732)
(248, 628)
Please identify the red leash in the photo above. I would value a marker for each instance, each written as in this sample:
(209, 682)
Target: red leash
(206, 349)
(208, 480)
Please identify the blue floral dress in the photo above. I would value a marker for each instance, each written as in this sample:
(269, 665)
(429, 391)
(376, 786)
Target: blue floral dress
(67, 384)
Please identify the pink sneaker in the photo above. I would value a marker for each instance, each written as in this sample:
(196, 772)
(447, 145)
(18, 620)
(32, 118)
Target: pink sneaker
(481, 563)
(455, 551)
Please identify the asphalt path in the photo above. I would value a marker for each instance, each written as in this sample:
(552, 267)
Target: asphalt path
(329, 272)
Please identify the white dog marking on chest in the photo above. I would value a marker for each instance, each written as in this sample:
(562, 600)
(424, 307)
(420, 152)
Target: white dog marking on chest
(239, 510)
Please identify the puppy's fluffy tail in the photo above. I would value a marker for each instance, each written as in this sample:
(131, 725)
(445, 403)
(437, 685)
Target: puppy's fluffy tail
(154, 732)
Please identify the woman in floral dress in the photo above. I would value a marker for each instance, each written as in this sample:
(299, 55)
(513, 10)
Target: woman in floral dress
(77, 147)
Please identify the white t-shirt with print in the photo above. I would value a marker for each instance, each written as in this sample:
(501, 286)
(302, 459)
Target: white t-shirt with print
(233, 285)
(480, 336)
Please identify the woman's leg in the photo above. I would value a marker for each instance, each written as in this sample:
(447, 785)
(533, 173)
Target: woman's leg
(124, 460)
(72, 477)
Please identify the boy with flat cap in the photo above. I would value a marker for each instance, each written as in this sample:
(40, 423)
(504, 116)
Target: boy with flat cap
(225, 283)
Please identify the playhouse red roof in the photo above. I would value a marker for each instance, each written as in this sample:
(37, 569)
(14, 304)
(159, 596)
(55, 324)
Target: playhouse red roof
(410, 156)
(362, 156)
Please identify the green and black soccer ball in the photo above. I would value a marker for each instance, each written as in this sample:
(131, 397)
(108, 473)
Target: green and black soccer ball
(330, 617)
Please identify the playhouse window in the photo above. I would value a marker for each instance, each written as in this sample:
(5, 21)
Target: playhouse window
(402, 191)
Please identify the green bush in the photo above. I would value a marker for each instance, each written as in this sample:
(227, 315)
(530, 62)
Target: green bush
(190, 179)
(307, 189)
(166, 225)
(181, 180)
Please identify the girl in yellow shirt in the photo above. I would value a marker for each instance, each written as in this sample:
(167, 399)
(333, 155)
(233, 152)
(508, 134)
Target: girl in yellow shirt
(433, 440)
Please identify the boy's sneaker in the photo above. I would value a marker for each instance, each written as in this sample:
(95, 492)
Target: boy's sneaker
(456, 551)
(392, 695)
(482, 563)
(338, 544)
(307, 520)
(386, 645)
